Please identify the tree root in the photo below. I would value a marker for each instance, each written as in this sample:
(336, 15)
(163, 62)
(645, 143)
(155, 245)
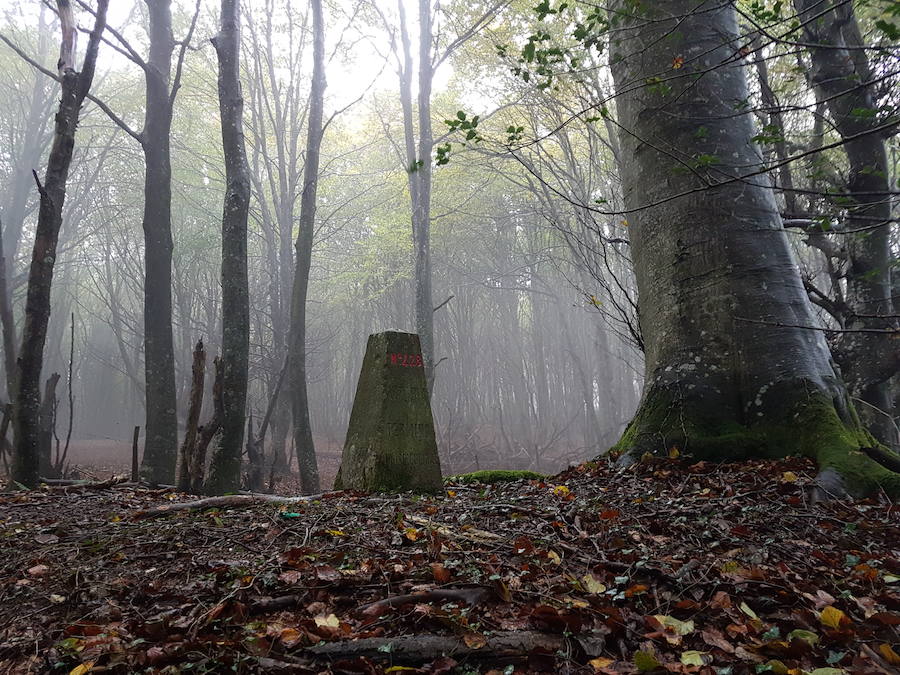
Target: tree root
(164, 510)
(887, 459)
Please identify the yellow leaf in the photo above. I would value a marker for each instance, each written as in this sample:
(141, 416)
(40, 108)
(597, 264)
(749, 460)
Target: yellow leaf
(832, 617)
(645, 661)
(889, 655)
(788, 477)
(83, 668)
(673, 452)
(336, 533)
(680, 627)
(592, 584)
(411, 533)
(693, 658)
(807, 636)
(451, 493)
(575, 602)
(554, 557)
(600, 663)
(330, 621)
(677, 62)
(746, 610)
(561, 491)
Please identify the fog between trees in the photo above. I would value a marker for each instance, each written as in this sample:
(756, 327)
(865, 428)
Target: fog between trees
(538, 350)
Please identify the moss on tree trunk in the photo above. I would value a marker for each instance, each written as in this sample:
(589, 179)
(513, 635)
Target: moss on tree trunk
(809, 423)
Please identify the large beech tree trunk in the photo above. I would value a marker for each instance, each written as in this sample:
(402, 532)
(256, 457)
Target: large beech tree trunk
(729, 374)
(225, 469)
(303, 439)
(161, 444)
(75, 87)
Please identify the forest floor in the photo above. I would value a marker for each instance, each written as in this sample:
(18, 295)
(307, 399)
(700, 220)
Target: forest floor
(668, 567)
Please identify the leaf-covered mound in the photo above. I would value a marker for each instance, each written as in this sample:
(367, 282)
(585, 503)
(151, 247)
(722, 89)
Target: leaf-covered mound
(668, 567)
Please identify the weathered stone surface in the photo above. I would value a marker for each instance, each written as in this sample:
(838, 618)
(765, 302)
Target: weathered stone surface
(390, 444)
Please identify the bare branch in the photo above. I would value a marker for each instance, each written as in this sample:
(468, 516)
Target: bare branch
(125, 49)
(122, 124)
(176, 81)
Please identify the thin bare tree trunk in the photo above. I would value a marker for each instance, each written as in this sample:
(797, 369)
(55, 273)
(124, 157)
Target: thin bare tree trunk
(7, 324)
(161, 429)
(225, 469)
(75, 86)
(303, 438)
(421, 220)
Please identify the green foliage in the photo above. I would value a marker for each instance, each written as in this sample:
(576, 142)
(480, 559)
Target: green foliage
(769, 135)
(891, 31)
(657, 86)
(764, 12)
(462, 123)
(514, 134)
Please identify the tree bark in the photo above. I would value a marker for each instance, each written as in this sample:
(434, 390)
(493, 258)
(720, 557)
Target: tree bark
(75, 86)
(418, 168)
(422, 210)
(208, 431)
(161, 429)
(303, 439)
(47, 426)
(7, 324)
(225, 469)
(189, 444)
(845, 78)
(256, 464)
(728, 373)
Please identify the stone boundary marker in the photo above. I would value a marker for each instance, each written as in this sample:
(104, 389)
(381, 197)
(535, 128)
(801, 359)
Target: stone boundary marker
(390, 444)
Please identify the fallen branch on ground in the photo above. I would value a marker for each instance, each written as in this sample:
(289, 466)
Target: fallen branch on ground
(424, 648)
(471, 596)
(164, 510)
(81, 483)
(263, 605)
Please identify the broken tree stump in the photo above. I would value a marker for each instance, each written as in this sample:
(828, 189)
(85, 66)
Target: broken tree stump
(390, 444)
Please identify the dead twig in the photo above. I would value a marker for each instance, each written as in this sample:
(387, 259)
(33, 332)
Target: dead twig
(227, 501)
(471, 596)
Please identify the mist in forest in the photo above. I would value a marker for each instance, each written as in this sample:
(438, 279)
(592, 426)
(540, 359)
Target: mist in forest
(536, 354)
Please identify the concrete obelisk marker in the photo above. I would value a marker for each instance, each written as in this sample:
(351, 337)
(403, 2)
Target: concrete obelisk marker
(390, 444)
